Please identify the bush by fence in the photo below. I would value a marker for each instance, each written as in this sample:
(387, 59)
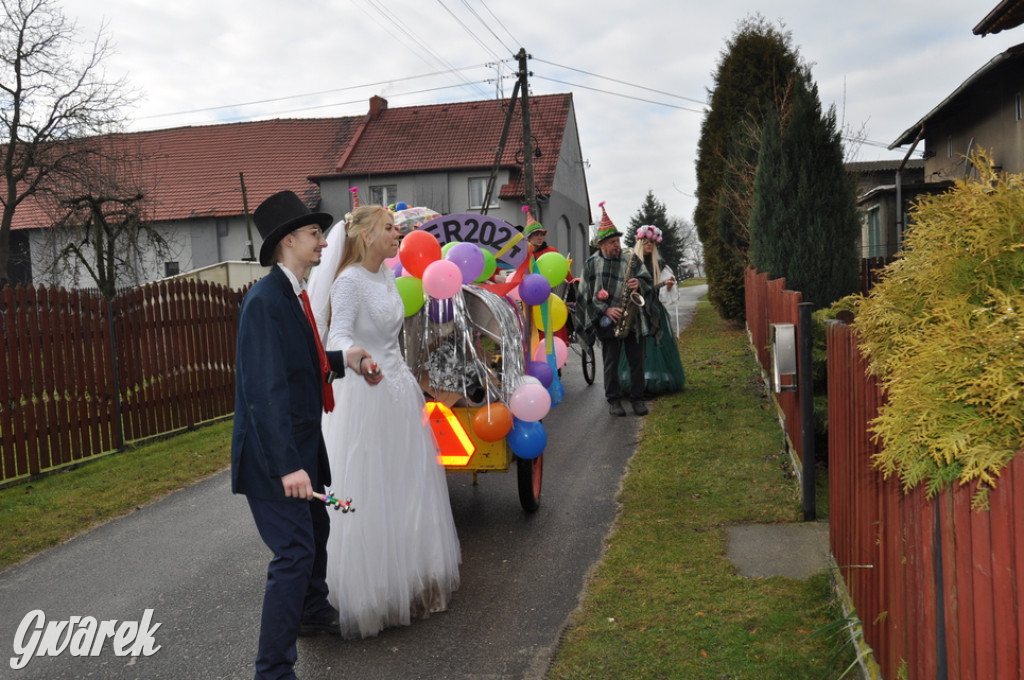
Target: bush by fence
(82, 377)
(937, 585)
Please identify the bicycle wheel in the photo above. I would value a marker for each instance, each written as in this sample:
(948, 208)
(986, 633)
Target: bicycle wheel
(589, 363)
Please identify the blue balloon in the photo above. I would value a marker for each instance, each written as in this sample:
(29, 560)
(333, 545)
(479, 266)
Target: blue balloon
(527, 439)
(557, 392)
(401, 205)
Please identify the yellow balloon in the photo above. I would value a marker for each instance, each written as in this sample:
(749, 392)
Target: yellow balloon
(557, 312)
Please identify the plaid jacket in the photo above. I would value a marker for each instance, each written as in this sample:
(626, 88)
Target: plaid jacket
(602, 273)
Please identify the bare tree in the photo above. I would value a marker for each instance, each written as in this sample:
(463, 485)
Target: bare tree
(49, 95)
(100, 220)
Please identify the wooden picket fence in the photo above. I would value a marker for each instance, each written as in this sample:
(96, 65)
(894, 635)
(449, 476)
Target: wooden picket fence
(768, 302)
(938, 586)
(81, 377)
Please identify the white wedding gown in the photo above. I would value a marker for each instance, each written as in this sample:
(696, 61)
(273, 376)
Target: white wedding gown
(397, 556)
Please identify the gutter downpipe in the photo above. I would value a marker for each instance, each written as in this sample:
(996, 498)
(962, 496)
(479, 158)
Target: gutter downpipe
(899, 191)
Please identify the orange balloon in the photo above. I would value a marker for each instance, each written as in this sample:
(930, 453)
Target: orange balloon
(492, 422)
(418, 249)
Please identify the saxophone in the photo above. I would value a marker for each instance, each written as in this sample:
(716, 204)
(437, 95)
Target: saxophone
(630, 301)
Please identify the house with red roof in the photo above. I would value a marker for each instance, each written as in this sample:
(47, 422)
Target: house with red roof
(201, 182)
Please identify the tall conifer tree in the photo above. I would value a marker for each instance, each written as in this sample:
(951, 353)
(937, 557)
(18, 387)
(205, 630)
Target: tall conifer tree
(804, 224)
(754, 73)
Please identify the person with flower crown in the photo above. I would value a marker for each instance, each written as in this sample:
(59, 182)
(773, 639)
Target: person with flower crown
(606, 282)
(663, 369)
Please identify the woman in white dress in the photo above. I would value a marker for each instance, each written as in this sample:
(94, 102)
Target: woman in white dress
(397, 557)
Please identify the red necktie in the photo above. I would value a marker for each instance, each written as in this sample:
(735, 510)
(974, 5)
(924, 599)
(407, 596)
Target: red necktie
(325, 366)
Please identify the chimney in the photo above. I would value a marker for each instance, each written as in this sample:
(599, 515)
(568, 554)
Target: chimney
(377, 106)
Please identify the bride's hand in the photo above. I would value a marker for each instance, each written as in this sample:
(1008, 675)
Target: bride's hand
(370, 370)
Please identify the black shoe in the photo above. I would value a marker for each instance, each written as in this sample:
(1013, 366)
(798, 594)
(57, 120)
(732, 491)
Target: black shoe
(315, 627)
(615, 408)
(639, 407)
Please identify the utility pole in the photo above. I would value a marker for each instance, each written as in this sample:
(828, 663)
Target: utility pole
(521, 87)
(248, 220)
(524, 94)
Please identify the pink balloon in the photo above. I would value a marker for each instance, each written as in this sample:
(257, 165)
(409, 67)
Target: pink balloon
(530, 402)
(442, 279)
(561, 351)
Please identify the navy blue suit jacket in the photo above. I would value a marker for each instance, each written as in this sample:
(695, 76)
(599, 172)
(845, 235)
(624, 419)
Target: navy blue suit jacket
(278, 393)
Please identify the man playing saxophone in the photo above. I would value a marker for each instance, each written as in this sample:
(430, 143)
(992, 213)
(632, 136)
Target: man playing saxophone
(612, 287)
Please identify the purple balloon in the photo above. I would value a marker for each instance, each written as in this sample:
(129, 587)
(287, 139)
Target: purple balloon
(440, 311)
(469, 260)
(541, 371)
(534, 289)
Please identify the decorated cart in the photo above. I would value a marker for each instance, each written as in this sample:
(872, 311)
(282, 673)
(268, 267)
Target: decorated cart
(485, 353)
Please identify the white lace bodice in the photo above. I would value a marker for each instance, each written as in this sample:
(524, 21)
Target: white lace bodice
(367, 311)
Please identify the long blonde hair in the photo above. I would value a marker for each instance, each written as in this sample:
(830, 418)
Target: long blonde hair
(638, 248)
(366, 219)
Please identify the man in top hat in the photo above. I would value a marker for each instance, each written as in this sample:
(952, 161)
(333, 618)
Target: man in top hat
(599, 307)
(278, 457)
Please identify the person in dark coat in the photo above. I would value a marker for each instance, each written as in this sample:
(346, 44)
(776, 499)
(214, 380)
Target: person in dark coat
(278, 457)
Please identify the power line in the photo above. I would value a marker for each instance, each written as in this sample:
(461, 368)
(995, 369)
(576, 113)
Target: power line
(472, 35)
(414, 38)
(618, 94)
(502, 26)
(624, 82)
(322, 92)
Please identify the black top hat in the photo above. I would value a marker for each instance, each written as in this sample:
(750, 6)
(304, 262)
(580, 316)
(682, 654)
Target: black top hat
(280, 215)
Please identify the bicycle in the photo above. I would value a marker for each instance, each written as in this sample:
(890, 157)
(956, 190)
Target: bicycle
(577, 343)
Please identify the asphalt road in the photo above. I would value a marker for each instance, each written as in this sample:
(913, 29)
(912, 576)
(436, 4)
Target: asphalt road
(196, 561)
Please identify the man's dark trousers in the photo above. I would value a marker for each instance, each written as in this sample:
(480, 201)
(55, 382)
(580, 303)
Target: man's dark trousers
(611, 349)
(296, 532)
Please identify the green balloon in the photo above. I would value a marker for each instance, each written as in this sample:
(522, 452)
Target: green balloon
(553, 267)
(446, 247)
(410, 289)
(490, 264)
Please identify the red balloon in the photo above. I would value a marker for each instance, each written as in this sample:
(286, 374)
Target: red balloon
(418, 250)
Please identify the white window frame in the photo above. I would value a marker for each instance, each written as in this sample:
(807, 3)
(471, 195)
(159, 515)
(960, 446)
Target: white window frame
(477, 189)
(384, 194)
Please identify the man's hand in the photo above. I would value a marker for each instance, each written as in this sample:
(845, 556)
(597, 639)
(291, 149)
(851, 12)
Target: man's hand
(633, 284)
(297, 485)
(613, 313)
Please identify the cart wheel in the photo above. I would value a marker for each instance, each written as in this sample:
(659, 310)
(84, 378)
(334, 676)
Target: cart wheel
(589, 363)
(529, 472)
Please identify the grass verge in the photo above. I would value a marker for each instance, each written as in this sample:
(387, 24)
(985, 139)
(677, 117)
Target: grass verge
(47, 511)
(665, 602)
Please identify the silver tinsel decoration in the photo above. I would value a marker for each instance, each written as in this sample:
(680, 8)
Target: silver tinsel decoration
(446, 339)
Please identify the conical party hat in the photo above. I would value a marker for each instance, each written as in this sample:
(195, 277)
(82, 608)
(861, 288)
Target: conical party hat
(532, 225)
(606, 229)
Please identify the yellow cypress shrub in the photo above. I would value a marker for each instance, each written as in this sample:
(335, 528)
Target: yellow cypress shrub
(944, 333)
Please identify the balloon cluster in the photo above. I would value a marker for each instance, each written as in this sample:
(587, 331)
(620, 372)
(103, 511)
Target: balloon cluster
(424, 268)
(427, 273)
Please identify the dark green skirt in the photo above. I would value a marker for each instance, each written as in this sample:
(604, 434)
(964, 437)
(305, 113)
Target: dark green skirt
(663, 369)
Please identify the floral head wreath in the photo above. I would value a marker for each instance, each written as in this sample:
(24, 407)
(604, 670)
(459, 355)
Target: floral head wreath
(649, 232)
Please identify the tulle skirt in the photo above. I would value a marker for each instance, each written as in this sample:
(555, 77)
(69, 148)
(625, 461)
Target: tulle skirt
(397, 556)
(663, 369)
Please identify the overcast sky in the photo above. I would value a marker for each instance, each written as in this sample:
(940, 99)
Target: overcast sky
(639, 70)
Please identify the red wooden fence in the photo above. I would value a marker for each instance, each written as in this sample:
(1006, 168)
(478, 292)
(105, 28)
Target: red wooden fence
(80, 377)
(768, 302)
(937, 585)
